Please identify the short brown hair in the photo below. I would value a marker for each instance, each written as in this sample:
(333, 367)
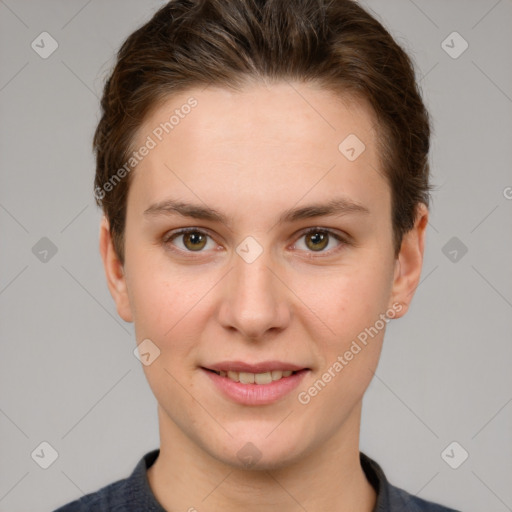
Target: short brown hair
(335, 43)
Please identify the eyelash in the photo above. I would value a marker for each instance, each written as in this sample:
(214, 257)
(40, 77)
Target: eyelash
(343, 241)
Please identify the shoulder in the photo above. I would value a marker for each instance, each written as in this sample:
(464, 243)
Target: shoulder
(394, 499)
(401, 500)
(126, 495)
(111, 497)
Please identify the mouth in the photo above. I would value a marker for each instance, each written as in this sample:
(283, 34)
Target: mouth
(256, 378)
(256, 384)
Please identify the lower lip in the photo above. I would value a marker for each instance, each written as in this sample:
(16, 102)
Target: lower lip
(256, 394)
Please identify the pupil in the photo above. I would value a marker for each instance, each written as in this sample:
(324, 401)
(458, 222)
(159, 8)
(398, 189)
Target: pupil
(318, 238)
(194, 239)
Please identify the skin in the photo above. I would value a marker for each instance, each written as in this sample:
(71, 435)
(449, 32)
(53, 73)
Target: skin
(251, 155)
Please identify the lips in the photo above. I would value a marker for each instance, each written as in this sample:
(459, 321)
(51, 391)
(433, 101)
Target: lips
(255, 384)
(262, 367)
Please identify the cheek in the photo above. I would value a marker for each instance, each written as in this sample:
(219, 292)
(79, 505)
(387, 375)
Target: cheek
(172, 307)
(349, 304)
(347, 300)
(348, 351)
(166, 303)
(162, 296)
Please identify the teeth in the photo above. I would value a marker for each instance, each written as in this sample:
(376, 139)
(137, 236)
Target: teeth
(232, 376)
(263, 378)
(255, 378)
(246, 378)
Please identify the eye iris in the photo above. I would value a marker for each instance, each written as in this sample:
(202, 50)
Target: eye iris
(194, 237)
(318, 237)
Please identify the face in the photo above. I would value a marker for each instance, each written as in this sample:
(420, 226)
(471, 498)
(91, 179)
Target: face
(265, 278)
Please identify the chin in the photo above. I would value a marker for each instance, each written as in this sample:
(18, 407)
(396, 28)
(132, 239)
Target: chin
(258, 452)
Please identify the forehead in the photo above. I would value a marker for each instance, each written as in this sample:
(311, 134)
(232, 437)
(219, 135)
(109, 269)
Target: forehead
(261, 143)
(261, 112)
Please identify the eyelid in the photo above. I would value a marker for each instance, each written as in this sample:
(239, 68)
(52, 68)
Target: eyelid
(343, 239)
(181, 231)
(168, 237)
(334, 232)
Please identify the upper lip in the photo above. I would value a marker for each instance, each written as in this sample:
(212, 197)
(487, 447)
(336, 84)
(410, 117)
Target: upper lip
(262, 367)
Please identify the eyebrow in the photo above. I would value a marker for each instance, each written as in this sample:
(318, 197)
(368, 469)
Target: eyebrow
(335, 207)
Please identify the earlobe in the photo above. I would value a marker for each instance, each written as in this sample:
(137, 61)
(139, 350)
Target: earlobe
(409, 263)
(114, 272)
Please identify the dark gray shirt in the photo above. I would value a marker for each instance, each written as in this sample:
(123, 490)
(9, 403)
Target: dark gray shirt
(133, 494)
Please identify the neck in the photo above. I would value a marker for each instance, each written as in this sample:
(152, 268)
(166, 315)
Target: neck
(329, 478)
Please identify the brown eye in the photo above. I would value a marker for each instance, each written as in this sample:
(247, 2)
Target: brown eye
(317, 240)
(193, 240)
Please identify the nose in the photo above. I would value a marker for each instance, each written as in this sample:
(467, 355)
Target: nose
(255, 298)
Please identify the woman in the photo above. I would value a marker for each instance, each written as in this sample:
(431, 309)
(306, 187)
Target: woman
(263, 172)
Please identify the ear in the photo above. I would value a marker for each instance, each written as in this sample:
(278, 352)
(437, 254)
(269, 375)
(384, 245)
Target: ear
(114, 272)
(410, 262)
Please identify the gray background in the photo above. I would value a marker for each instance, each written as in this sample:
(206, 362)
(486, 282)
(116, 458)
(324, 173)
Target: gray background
(68, 375)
